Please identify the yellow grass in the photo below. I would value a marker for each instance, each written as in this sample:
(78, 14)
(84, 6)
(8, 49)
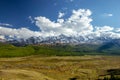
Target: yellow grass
(57, 68)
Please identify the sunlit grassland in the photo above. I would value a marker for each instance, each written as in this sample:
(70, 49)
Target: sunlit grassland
(58, 68)
(57, 62)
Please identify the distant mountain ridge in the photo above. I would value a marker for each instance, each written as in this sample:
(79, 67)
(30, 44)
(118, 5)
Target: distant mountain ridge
(80, 43)
(61, 46)
(63, 39)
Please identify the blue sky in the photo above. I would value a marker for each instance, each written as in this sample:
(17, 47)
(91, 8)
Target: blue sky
(16, 14)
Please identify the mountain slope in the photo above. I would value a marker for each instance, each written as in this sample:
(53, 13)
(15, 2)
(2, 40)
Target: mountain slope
(52, 46)
(112, 47)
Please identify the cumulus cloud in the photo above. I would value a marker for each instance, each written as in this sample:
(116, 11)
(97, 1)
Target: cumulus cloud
(19, 33)
(104, 29)
(80, 20)
(107, 32)
(46, 25)
(78, 24)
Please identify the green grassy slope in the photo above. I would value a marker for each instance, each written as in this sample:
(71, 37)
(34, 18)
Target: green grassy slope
(8, 50)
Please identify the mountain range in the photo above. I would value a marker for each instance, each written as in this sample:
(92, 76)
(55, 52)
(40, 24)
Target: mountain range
(79, 44)
(59, 39)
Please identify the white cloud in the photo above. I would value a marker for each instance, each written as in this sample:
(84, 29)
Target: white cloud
(45, 24)
(19, 33)
(117, 30)
(61, 15)
(31, 19)
(108, 14)
(107, 31)
(80, 20)
(104, 29)
(5, 24)
(78, 24)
